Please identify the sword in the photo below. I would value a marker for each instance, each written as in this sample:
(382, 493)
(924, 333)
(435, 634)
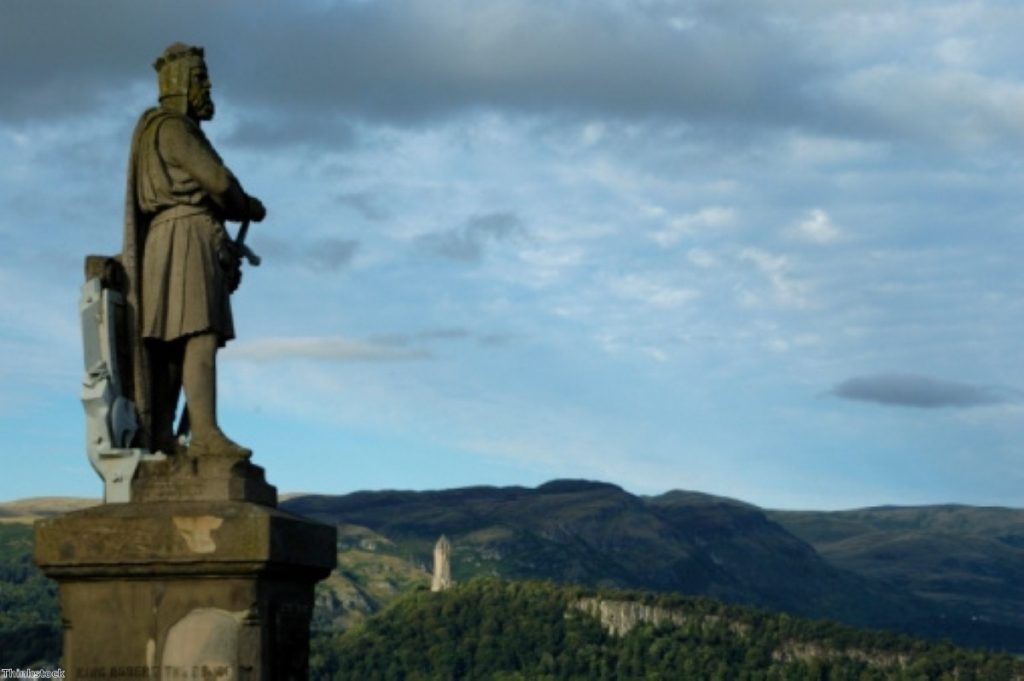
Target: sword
(244, 250)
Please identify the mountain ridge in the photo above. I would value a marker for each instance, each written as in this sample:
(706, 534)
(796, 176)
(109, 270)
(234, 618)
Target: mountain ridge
(945, 570)
(597, 534)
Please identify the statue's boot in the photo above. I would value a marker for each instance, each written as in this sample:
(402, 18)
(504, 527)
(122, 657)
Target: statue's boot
(200, 380)
(217, 443)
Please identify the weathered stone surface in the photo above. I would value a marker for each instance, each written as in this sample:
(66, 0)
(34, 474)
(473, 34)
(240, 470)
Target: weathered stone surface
(210, 477)
(183, 537)
(185, 590)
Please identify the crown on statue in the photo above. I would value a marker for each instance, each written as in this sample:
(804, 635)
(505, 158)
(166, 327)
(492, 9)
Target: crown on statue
(174, 67)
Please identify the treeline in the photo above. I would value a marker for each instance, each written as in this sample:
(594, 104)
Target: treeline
(528, 630)
(30, 633)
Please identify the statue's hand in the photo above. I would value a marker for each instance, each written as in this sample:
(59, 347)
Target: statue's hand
(233, 277)
(256, 209)
(231, 264)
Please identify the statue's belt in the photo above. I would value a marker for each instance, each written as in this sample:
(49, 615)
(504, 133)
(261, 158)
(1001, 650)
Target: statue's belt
(180, 211)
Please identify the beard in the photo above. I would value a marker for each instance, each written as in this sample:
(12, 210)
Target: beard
(201, 105)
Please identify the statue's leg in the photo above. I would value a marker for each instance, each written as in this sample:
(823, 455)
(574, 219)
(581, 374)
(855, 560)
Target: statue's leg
(165, 361)
(200, 379)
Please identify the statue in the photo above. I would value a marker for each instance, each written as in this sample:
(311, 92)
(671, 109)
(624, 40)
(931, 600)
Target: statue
(179, 262)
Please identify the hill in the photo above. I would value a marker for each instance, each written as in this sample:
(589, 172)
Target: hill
(528, 630)
(955, 557)
(938, 572)
(30, 510)
(597, 534)
(30, 633)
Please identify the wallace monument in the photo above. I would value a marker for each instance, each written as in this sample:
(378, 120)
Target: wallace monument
(188, 570)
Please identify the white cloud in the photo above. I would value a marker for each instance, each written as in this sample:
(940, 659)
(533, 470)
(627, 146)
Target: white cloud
(816, 227)
(954, 108)
(814, 149)
(679, 228)
(651, 291)
(698, 257)
(544, 265)
(776, 268)
(592, 134)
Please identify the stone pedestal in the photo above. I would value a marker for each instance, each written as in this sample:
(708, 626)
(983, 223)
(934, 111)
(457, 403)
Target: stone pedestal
(190, 580)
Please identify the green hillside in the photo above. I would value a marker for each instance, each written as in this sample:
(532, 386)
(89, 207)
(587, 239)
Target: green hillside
(935, 572)
(29, 615)
(491, 629)
(956, 557)
(597, 534)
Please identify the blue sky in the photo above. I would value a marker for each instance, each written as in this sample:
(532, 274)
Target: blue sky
(768, 250)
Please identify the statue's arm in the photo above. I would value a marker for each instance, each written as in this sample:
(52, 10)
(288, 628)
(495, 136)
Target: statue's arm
(182, 144)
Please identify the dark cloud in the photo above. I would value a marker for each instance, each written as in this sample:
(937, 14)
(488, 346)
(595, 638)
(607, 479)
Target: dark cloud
(277, 129)
(328, 254)
(411, 60)
(332, 254)
(322, 349)
(365, 204)
(402, 340)
(728, 66)
(494, 340)
(63, 58)
(428, 337)
(909, 390)
(467, 244)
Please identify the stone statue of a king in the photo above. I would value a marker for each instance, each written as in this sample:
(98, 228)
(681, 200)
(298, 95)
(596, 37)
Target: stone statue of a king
(181, 264)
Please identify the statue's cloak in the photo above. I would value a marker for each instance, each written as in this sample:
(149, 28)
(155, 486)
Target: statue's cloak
(136, 226)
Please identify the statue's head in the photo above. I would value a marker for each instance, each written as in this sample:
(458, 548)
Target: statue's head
(184, 81)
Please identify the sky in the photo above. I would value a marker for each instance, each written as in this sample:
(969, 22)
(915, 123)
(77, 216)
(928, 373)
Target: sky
(764, 250)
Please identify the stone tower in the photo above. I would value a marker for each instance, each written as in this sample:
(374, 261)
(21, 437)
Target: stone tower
(442, 565)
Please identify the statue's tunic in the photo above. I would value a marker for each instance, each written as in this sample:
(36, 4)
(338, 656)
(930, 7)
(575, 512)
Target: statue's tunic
(183, 192)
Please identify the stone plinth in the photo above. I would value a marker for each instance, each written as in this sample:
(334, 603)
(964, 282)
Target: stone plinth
(188, 589)
(202, 478)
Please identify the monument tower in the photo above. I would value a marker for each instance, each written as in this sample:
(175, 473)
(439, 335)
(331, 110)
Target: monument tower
(442, 579)
(188, 570)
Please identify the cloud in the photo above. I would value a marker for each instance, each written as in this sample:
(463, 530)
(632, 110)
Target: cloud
(325, 255)
(468, 243)
(322, 348)
(278, 129)
(701, 258)
(415, 60)
(816, 227)
(690, 224)
(651, 291)
(332, 254)
(776, 268)
(391, 347)
(966, 110)
(910, 390)
(403, 340)
(725, 65)
(364, 203)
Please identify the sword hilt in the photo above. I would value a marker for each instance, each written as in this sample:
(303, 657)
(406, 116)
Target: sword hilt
(244, 250)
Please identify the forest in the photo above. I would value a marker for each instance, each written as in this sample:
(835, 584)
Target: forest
(494, 629)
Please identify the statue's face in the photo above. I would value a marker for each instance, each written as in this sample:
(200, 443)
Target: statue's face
(200, 103)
